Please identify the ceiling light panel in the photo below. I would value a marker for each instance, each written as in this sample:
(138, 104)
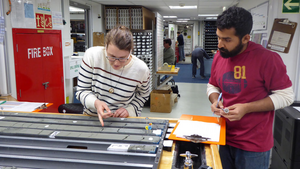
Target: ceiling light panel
(183, 7)
(208, 15)
(74, 9)
(169, 16)
(211, 18)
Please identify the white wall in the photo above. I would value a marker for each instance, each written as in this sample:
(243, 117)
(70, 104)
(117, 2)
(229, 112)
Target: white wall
(291, 59)
(250, 4)
(195, 35)
(66, 16)
(3, 84)
(77, 16)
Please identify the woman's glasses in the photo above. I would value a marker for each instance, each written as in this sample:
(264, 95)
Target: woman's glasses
(112, 59)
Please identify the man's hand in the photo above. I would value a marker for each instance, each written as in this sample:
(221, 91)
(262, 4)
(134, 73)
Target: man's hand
(236, 112)
(121, 112)
(216, 110)
(101, 106)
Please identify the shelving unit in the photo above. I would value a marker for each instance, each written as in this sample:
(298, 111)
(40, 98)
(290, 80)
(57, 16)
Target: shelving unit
(135, 18)
(143, 48)
(210, 39)
(78, 35)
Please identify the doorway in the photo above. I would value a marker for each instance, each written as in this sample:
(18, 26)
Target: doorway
(80, 26)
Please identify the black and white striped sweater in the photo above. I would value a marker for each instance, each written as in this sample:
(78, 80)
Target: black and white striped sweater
(96, 77)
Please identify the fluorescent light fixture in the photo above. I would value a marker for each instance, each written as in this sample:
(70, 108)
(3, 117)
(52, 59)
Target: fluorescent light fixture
(211, 18)
(169, 16)
(74, 9)
(183, 7)
(181, 21)
(208, 14)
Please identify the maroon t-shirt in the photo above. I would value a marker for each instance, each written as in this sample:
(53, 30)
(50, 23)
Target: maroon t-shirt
(247, 77)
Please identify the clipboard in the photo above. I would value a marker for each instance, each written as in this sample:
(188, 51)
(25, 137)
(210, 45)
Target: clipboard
(18, 106)
(218, 120)
(42, 108)
(282, 34)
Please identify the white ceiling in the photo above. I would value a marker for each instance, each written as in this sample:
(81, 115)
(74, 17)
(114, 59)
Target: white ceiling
(162, 6)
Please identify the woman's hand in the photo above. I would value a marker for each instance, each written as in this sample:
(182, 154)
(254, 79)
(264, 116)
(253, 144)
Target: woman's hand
(121, 112)
(100, 107)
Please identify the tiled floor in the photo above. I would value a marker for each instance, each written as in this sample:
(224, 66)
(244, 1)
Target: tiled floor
(187, 60)
(193, 101)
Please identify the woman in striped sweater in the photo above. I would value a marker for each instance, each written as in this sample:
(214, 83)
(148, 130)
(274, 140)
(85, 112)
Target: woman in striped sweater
(112, 82)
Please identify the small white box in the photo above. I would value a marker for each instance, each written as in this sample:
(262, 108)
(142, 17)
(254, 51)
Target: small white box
(72, 67)
(68, 47)
(118, 147)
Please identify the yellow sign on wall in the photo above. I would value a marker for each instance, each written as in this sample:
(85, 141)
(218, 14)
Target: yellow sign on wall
(189, 37)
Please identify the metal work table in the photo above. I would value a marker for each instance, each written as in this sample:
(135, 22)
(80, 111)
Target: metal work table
(170, 74)
(48, 140)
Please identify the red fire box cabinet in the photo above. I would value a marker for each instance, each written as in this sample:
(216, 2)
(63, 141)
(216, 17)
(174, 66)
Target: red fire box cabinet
(39, 66)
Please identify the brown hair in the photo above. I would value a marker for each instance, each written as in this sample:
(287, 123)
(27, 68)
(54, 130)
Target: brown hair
(168, 41)
(121, 37)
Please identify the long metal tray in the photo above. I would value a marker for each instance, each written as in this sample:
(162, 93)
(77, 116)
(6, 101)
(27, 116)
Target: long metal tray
(47, 141)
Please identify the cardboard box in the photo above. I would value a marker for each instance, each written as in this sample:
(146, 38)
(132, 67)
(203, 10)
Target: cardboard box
(98, 39)
(161, 101)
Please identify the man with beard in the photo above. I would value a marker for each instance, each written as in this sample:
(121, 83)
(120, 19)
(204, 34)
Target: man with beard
(253, 82)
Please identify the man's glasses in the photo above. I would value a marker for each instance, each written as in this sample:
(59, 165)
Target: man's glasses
(112, 59)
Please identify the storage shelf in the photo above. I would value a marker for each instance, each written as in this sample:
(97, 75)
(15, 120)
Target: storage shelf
(135, 18)
(210, 40)
(143, 48)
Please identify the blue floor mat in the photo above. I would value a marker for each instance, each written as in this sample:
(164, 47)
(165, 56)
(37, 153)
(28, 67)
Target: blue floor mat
(185, 75)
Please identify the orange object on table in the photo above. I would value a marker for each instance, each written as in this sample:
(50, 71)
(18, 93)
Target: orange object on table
(218, 120)
(45, 106)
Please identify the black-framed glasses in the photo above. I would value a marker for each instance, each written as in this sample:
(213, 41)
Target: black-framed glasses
(112, 59)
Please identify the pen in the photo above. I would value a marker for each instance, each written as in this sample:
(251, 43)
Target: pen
(3, 102)
(219, 98)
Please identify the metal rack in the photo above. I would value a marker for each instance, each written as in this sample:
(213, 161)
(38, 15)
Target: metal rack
(210, 39)
(137, 17)
(143, 48)
(49, 141)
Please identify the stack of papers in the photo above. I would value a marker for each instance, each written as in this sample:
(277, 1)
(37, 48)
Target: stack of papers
(19, 106)
(204, 129)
